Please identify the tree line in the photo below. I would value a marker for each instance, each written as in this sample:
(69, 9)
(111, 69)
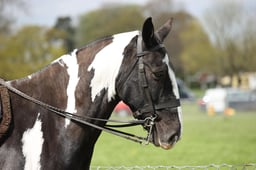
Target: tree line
(223, 44)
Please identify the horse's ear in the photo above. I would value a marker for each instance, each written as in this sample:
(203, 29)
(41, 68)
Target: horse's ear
(164, 30)
(148, 33)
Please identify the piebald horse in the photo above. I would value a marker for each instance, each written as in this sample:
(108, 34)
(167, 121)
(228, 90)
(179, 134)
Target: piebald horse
(87, 83)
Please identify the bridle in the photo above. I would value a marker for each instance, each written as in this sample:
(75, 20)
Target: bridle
(150, 106)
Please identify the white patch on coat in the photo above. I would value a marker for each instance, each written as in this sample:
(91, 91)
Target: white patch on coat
(174, 86)
(106, 65)
(32, 141)
(70, 61)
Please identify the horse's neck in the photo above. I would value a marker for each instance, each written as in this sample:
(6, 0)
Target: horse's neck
(66, 84)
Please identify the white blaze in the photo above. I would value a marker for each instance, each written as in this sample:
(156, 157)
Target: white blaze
(106, 65)
(174, 86)
(32, 141)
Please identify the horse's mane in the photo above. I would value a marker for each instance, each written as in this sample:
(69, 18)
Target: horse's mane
(94, 42)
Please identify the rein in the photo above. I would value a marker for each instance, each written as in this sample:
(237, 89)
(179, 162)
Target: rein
(83, 120)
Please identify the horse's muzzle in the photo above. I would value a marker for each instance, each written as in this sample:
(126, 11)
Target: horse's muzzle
(166, 141)
(169, 145)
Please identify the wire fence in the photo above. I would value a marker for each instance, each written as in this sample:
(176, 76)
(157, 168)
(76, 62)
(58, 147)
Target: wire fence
(202, 167)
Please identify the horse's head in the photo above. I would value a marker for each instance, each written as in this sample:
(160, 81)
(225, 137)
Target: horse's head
(147, 84)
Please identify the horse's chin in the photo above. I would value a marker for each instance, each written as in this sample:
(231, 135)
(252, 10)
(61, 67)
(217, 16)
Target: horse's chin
(166, 146)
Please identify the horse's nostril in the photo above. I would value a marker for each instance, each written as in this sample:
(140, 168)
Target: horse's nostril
(173, 138)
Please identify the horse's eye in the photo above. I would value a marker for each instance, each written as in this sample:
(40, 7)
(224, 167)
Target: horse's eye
(159, 72)
(158, 75)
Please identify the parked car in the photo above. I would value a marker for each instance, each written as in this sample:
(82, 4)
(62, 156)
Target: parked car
(242, 100)
(220, 99)
(122, 109)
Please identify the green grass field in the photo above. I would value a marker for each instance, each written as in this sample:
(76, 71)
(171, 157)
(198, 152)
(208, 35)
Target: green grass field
(205, 140)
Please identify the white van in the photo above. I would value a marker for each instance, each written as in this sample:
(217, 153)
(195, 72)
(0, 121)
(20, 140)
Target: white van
(215, 99)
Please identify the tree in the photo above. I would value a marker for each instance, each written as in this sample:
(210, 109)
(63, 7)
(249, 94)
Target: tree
(26, 52)
(198, 55)
(108, 21)
(156, 8)
(247, 46)
(232, 32)
(65, 31)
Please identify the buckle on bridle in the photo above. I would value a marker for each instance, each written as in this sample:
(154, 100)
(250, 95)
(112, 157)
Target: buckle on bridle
(149, 123)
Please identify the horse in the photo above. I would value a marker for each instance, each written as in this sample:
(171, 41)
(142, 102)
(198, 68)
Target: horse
(46, 129)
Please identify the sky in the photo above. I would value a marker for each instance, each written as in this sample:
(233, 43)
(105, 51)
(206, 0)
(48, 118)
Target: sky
(46, 12)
